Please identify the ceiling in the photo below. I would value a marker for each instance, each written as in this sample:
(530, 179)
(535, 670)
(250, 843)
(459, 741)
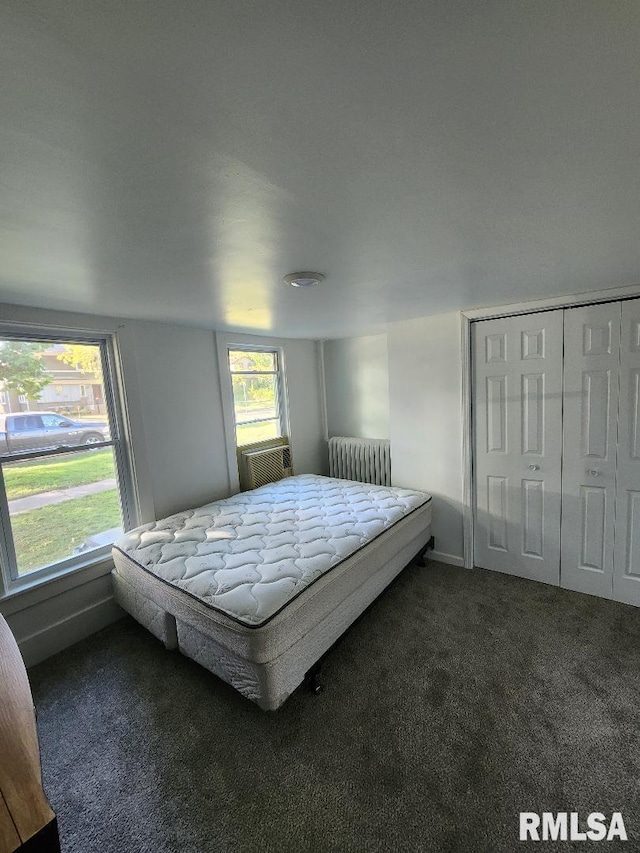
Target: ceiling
(173, 160)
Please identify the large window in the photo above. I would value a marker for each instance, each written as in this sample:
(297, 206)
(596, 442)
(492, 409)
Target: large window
(63, 472)
(257, 395)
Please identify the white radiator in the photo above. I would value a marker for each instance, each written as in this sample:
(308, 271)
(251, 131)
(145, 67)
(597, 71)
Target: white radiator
(367, 460)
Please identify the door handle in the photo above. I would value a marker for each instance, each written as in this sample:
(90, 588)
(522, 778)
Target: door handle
(593, 472)
(533, 467)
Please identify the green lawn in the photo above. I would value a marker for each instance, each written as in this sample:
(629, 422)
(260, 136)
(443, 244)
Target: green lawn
(57, 472)
(252, 433)
(43, 536)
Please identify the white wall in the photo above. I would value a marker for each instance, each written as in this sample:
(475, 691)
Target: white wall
(174, 405)
(357, 386)
(308, 446)
(179, 398)
(407, 386)
(425, 380)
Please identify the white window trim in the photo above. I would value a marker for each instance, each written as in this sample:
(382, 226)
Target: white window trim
(115, 400)
(224, 343)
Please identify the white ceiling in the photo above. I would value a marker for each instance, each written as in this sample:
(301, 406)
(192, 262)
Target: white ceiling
(173, 160)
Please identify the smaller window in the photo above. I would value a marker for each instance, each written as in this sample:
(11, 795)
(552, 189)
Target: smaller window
(256, 382)
(55, 422)
(27, 423)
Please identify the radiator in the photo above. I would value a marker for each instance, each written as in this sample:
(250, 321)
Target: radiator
(367, 460)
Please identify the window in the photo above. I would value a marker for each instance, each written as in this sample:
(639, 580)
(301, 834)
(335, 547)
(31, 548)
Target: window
(63, 479)
(28, 423)
(257, 394)
(55, 421)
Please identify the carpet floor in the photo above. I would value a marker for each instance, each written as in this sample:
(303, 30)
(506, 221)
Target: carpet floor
(459, 700)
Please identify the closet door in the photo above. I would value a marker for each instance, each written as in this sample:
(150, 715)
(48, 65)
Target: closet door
(626, 570)
(591, 355)
(517, 408)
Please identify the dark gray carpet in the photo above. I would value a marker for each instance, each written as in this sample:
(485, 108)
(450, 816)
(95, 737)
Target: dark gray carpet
(461, 699)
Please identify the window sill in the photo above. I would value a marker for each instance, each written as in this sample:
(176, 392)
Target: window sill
(31, 591)
(265, 444)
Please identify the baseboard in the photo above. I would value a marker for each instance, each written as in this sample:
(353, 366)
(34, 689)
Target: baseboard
(441, 557)
(54, 638)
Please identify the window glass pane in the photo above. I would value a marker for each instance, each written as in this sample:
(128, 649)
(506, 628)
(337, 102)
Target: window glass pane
(255, 397)
(247, 360)
(62, 505)
(64, 382)
(260, 431)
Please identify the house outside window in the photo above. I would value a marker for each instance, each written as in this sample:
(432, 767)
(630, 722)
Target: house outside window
(64, 472)
(258, 396)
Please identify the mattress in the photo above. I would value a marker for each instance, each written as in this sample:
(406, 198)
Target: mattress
(328, 548)
(248, 556)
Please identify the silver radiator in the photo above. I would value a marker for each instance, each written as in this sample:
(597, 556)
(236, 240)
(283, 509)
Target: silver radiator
(367, 460)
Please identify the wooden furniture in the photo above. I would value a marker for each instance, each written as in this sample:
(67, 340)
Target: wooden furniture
(27, 822)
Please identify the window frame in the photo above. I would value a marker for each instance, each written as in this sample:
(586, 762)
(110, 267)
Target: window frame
(281, 398)
(114, 399)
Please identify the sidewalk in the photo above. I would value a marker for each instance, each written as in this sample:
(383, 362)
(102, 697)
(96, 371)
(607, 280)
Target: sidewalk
(58, 496)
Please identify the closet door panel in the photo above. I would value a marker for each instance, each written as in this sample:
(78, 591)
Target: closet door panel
(590, 426)
(626, 578)
(518, 442)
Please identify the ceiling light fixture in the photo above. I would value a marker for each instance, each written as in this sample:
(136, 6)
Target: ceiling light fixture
(303, 279)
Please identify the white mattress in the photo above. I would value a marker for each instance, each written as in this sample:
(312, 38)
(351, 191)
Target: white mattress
(248, 557)
(150, 600)
(267, 661)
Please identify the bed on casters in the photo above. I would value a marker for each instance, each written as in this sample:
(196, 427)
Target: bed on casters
(257, 587)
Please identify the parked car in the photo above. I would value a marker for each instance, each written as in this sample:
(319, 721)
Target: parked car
(24, 431)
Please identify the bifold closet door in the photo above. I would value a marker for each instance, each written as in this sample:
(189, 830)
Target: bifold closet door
(590, 423)
(517, 404)
(626, 570)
